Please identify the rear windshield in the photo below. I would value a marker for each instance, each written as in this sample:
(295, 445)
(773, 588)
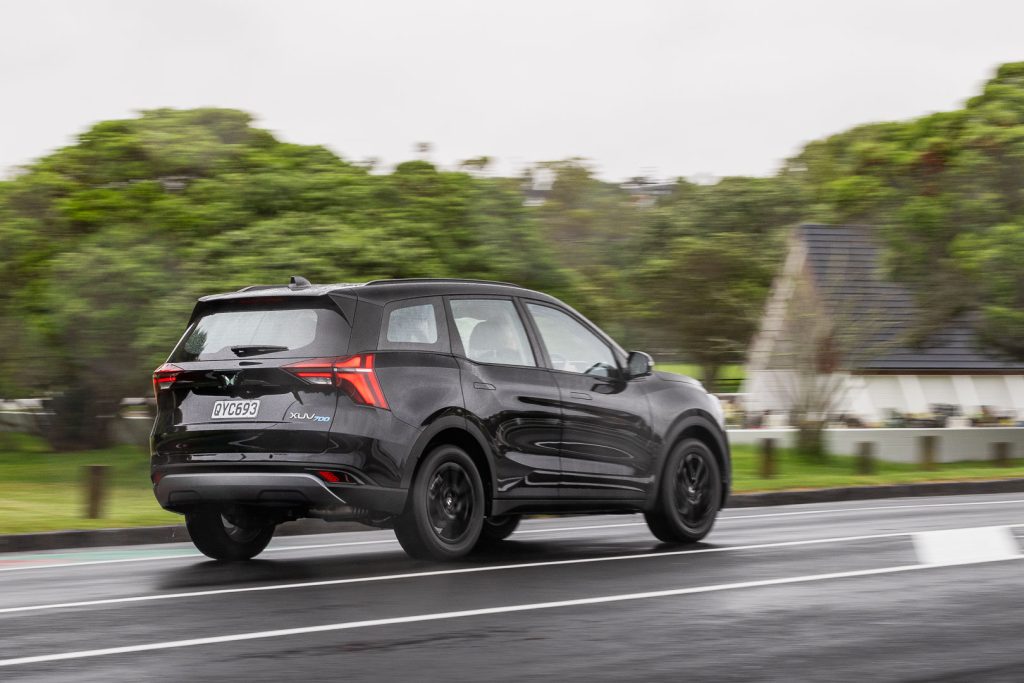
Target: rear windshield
(264, 331)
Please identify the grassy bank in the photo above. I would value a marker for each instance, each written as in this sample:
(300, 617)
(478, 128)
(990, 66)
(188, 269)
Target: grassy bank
(42, 491)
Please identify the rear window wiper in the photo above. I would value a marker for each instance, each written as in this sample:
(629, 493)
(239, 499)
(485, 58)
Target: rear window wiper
(256, 349)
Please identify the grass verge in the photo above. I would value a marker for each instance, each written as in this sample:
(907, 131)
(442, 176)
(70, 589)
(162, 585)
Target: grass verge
(796, 472)
(42, 491)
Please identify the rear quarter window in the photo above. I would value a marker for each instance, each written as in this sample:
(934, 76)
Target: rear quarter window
(414, 325)
(264, 331)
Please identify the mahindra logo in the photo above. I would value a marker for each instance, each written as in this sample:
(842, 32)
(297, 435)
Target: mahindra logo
(229, 380)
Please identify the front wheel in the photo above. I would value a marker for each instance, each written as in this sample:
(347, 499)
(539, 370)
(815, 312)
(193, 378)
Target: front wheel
(689, 494)
(444, 513)
(225, 536)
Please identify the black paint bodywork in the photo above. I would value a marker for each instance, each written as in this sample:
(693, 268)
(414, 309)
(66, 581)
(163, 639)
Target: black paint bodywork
(544, 440)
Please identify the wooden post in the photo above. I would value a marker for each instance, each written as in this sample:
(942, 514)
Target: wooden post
(767, 458)
(865, 457)
(926, 452)
(95, 490)
(1001, 452)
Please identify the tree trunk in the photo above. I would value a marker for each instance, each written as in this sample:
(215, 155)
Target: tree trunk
(810, 440)
(80, 420)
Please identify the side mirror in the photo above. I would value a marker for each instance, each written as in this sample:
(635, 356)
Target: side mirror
(638, 364)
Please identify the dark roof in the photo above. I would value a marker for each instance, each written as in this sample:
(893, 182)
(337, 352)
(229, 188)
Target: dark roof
(382, 291)
(846, 267)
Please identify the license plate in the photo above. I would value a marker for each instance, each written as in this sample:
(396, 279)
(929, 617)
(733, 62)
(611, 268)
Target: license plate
(226, 410)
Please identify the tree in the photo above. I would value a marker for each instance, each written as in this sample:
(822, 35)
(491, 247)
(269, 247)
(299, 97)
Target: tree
(108, 242)
(930, 184)
(707, 294)
(995, 259)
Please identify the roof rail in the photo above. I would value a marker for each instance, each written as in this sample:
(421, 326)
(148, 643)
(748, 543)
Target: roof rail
(256, 288)
(404, 280)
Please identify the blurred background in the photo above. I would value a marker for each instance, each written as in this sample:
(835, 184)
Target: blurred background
(815, 208)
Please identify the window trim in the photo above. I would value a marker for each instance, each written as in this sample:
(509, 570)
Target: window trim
(456, 339)
(587, 325)
(443, 343)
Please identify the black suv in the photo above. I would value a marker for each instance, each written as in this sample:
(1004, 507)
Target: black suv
(443, 408)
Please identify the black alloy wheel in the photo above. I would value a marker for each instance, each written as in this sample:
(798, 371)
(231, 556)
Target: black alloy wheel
(444, 512)
(497, 529)
(227, 536)
(690, 494)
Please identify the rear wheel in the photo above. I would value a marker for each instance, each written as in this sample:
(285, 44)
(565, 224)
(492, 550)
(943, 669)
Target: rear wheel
(444, 516)
(497, 529)
(689, 494)
(226, 536)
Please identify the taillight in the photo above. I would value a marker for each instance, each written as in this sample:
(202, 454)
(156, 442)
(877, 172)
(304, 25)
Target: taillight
(164, 376)
(315, 371)
(354, 375)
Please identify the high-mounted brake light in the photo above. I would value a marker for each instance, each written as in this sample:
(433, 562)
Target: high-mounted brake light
(164, 376)
(354, 375)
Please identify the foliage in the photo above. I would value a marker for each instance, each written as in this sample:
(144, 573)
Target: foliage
(727, 275)
(933, 186)
(107, 242)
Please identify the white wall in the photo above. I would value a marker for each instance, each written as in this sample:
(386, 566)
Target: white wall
(871, 396)
(900, 445)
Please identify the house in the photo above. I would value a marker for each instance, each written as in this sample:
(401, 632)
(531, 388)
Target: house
(833, 316)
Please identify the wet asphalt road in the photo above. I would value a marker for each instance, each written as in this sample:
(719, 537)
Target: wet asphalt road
(841, 591)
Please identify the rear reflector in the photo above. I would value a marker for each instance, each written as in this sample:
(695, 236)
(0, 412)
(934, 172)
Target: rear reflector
(354, 375)
(336, 477)
(164, 376)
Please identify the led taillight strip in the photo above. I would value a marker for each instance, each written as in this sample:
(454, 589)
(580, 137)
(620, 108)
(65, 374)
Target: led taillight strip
(354, 375)
(164, 376)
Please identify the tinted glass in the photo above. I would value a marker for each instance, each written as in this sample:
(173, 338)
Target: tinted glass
(491, 331)
(413, 325)
(264, 332)
(571, 346)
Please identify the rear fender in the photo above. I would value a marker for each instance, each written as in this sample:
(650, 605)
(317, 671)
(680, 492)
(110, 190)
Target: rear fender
(451, 419)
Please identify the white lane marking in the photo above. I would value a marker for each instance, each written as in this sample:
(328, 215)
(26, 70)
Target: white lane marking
(872, 508)
(723, 518)
(181, 556)
(440, 572)
(966, 546)
(548, 530)
(438, 616)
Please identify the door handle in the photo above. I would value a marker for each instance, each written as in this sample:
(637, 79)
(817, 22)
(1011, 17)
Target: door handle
(582, 395)
(483, 385)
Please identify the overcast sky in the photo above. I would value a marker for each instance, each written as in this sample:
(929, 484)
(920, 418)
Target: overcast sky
(674, 88)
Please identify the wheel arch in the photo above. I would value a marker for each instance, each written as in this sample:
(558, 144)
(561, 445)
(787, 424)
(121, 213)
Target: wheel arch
(455, 430)
(696, 424)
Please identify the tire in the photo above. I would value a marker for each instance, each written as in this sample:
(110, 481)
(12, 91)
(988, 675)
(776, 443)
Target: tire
(497, 529)
(223, 537)
(444, 514)
(689, 494)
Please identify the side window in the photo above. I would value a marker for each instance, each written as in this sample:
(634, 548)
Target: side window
(413, 325)
(571, 346)
(491, 331)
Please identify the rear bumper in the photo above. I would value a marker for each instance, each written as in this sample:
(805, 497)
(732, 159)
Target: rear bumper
(297, 490)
